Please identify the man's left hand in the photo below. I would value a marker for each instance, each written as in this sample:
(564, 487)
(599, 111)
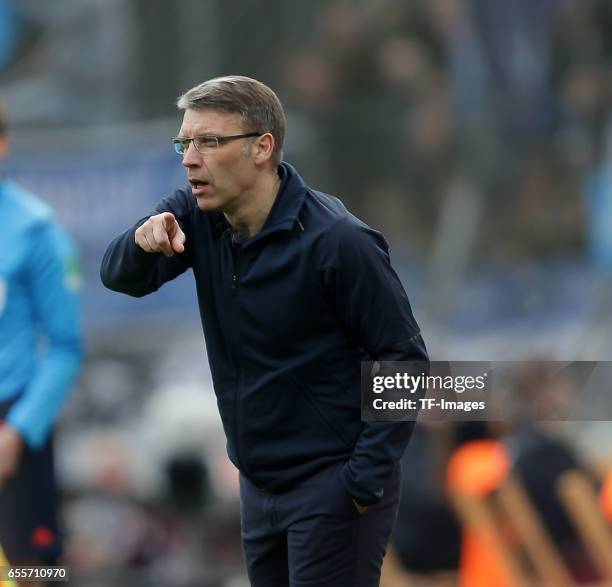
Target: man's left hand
(360, 508)
(11, 448)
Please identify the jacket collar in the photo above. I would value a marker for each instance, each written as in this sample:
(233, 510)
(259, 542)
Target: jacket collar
(284, 212)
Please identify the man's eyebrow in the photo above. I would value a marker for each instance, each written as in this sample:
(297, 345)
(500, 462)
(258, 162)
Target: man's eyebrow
(206, 133)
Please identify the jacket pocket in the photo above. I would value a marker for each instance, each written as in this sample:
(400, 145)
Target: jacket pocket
(310, 398)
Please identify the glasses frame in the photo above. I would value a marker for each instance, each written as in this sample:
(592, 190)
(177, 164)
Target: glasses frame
(183, 142)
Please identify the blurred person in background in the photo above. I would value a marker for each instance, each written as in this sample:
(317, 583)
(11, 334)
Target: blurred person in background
(294, 292)
(523, 449)
(426, 540)
(40, 354)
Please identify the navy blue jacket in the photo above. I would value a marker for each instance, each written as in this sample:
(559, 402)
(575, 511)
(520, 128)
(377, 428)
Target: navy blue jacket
(288, 316)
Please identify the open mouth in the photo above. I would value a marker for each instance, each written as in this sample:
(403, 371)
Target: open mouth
(197, 186)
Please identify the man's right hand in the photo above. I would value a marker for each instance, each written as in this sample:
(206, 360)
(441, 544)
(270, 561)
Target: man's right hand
(11, 448)
(161, 234)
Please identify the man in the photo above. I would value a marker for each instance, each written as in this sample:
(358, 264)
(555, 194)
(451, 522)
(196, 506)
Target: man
(294, 293)
(39, 303)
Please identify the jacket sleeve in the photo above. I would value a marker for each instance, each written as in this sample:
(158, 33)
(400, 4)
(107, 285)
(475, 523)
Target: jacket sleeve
(128, 269)
(376, 314)
(52, 277)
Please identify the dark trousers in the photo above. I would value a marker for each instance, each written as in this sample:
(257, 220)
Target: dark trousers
(28, 505)
(313, 534)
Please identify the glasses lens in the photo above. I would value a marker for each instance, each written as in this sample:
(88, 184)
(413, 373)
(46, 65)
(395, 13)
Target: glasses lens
(206, 144)
(180, 146)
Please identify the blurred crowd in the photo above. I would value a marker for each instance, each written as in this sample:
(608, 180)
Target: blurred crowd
(415, 99)
(396, 106)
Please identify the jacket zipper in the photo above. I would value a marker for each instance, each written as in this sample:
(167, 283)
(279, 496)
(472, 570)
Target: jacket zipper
(237, 370)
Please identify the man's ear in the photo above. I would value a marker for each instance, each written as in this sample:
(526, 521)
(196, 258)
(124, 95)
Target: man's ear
(263, 147)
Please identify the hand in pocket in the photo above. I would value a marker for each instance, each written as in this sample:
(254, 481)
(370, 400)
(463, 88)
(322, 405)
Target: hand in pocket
(360, 508)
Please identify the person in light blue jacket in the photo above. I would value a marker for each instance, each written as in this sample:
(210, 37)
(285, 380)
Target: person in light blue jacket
(41, 349)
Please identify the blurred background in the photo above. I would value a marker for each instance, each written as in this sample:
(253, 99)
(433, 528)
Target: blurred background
(476, 134)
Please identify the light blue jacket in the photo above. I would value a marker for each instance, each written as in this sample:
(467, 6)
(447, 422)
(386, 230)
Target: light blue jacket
(41, 344)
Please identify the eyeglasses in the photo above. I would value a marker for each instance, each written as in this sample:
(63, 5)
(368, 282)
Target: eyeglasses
(207, 143)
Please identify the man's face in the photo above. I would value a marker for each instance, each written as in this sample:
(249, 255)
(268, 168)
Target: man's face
(219, 178)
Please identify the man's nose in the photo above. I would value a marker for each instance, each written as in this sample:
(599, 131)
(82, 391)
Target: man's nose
(192, 156)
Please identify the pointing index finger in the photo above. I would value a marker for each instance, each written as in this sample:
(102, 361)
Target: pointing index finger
(162, 241)
(168, 221)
